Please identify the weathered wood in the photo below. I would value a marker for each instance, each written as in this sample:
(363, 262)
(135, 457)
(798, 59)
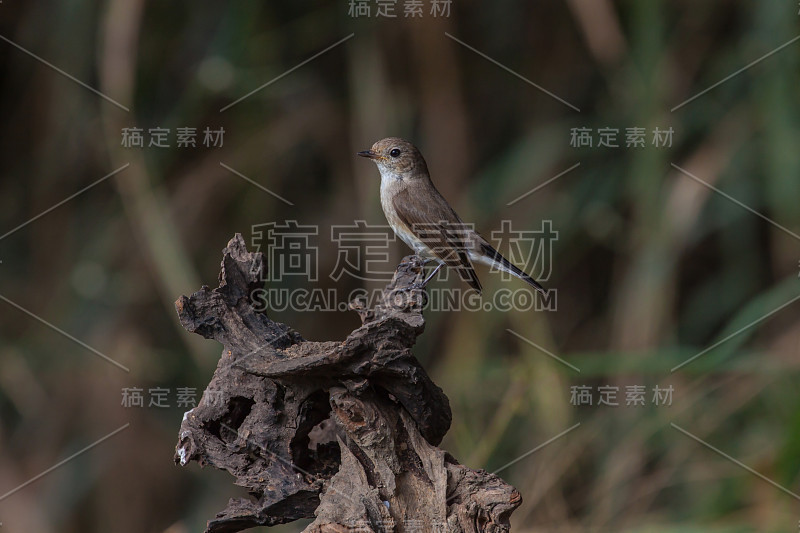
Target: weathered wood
(342, 431)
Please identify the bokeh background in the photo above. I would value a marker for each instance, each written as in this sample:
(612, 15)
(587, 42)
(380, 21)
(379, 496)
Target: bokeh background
(651, 266)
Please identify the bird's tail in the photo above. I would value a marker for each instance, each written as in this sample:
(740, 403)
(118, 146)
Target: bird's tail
(487, 254)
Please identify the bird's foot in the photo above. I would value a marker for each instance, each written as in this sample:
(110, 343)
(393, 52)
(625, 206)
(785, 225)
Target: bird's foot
(416, 286)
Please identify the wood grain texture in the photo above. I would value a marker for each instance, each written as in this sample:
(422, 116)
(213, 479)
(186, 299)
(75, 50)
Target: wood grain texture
(343, 432)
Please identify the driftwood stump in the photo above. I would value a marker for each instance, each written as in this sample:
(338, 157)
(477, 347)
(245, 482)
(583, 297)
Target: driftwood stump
(342, 431)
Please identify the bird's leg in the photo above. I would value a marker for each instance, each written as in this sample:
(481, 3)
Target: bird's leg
(430, 276)
(422, 284)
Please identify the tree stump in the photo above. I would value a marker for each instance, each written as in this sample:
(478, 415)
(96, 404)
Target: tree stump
(343, 432)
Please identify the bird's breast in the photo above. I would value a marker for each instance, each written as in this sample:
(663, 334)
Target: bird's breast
(388, 189)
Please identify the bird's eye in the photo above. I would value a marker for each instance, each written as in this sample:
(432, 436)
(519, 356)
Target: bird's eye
(395, 152)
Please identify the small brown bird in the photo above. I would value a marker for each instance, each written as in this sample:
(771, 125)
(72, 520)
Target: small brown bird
(423, 219)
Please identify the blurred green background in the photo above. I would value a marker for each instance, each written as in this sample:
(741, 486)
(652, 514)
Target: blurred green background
(651, 265)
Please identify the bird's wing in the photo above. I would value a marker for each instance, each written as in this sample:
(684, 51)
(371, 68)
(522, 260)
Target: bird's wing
(436, 224)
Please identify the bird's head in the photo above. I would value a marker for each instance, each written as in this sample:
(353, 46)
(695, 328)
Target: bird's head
(397, 158)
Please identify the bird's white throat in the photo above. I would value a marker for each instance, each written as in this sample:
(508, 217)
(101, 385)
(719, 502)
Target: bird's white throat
(386, 175)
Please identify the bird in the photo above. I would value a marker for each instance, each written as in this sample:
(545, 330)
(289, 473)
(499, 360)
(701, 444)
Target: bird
(424, 220)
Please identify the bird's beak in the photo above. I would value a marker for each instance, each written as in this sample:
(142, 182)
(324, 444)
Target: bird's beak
(369, 153)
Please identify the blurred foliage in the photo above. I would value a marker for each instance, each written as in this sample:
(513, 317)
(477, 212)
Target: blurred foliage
(651, 265)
